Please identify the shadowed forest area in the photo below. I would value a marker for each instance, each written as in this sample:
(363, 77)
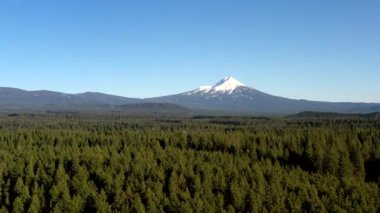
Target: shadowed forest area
(110, 163)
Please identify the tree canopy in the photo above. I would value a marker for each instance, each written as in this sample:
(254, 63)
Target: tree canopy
(213, 164)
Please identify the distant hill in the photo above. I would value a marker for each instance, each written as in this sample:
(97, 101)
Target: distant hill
(18, 97)
(152, 106)
(228, 96)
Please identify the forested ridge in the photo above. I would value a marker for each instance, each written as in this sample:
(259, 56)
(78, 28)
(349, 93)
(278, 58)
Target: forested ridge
(82, 163)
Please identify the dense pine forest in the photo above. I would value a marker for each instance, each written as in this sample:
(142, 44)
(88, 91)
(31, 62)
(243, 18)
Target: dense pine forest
(115, 163)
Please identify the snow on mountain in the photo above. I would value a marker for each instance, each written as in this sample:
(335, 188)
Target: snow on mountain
(226, 85)
(203, 89)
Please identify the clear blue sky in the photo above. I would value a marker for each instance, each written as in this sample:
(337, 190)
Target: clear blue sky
(319, 50)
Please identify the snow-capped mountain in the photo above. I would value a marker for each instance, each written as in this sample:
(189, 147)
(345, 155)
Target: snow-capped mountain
(226, 85)
(231, 95)
(227, 95)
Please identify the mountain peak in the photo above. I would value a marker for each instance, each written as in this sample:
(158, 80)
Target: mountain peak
(226, 85)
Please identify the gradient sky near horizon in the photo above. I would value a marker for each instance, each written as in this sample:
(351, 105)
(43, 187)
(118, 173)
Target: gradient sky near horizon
(318, 50)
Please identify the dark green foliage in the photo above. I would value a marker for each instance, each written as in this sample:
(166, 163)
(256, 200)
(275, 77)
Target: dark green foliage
(76, 163)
